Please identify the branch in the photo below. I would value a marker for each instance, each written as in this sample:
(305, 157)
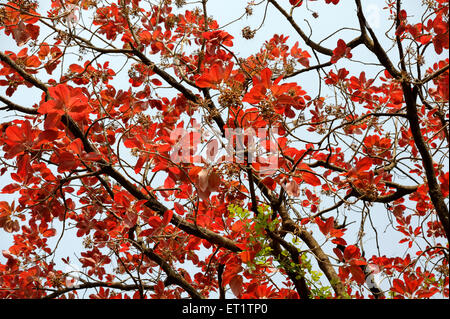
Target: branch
(297, 278)
(335, 206)
(220, 269)
(15, 107)
(314, 67)
(163, 74)
(397, 37)
(289, 225)
(373, 44)
(402, 190)
(434, 75)
(410, 95)
(172, 275)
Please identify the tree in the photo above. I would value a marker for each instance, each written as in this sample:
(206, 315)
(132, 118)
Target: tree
(188, 170)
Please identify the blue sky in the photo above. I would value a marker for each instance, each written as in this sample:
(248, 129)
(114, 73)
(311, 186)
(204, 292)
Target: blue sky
(330, 18)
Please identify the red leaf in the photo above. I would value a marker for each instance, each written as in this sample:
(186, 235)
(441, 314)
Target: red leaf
(214, 76)
(145, 37)
(398, 286)
(20, 34)
(296, 3)
(11, 188)
(422, 293)
(76, 146)
(311, 179)
(87, 261)
(339, 241)
(238, 226)
(44, 50)
(49, 232)
(363, 165)
(179, 209)
(67, 162)
(341, 51)
(213, 181)
(66, 99)
(246, 256)
(154, 221)
(412, 283)
(130, 219)
(156, 82)
(351, 252)
(33, 62)
(266, 78)
(236, 285)
(357, 274)
(15, 135)
(325, 227)
(270, 183)
(255, 95)
(338, 253)
(75, 68)
(439, 25)
(46, 137)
